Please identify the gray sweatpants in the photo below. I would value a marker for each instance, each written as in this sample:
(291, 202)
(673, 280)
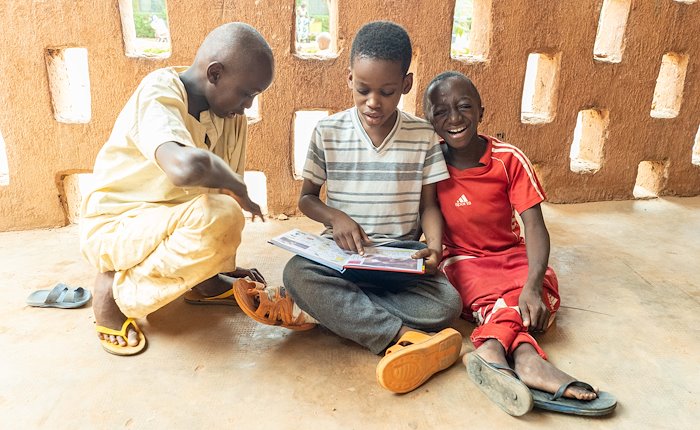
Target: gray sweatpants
(369, 307)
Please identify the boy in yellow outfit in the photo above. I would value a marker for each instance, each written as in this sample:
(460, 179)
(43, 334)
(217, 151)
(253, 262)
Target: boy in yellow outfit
(165, 213)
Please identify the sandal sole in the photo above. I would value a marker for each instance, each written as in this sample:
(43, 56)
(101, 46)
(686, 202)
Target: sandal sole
(408, 368)
(506, 391)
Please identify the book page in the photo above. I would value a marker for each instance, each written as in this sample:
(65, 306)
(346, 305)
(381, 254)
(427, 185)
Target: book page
(327, 252)
(319, 249)
(386, 258)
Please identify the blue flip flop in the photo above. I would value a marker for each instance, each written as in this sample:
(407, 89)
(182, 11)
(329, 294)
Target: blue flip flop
(602, 405)
(61, 296)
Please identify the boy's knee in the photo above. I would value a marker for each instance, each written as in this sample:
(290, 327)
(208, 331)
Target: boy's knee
(221, 214)
(295, 276)
(454, 301)
(290, 274)
(451, 302)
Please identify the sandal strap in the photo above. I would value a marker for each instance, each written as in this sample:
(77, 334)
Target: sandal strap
(408, 338)
(574, 383)
(122, 332)
(506, 369)
(226, 294)
(55, 293)
(278, 306)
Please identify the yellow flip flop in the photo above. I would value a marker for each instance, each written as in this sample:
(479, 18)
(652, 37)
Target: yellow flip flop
(118, 349)
(416, 357)
(226, 298)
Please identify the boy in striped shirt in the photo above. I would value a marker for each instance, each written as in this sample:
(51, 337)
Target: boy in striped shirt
(380, 167)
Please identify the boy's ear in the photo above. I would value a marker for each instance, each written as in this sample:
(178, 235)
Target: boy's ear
(407, 83)
(214, 71)
(349, 78)
(481, 113)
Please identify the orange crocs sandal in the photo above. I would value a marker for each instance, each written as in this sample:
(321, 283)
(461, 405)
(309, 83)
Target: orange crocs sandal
(270, 305)
(118, 349)
(416, 357)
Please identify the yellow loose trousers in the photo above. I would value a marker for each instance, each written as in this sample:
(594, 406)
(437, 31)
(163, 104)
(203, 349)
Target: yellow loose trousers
(159, 252)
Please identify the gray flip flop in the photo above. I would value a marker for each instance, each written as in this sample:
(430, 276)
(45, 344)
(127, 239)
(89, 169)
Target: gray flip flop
(61, 296)
(604, 404)
(504, 389)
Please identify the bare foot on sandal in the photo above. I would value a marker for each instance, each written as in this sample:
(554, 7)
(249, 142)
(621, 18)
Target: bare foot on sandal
(107, 313)
(540, 374)
(212, 286)
(493, 352)
(221, 283)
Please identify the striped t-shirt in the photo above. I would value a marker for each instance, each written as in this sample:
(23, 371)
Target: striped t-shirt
(378, 187)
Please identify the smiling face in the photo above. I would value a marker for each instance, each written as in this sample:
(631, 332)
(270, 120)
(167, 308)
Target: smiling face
(232, 89)
(377, 86)
(455, 111)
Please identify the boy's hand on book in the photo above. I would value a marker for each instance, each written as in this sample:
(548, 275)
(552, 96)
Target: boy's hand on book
(431, 259)
(348, 234)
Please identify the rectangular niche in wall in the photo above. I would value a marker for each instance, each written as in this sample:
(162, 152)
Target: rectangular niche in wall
(145, 28)
(471, 30)
(668, 93)
(610, 39)
(4, 168)
(651, 179)
(407, 102)
(75, 185)
(696, 149)
(69, 83)
(256, 182)
(540, 87)
(304, 123)
(586, 155)
(315, 28)
(253, 112)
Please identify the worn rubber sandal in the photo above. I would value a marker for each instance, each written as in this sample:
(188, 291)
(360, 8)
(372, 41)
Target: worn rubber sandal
(416, 357)
(504, 389)
(193, 297)
(604, 404)
(118, 349)
(226, 298)
(270, 305)
(61, 296)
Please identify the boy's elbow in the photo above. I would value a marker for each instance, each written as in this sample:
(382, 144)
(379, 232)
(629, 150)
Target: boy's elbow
(190, 169)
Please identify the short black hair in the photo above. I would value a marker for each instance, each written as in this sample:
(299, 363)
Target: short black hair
(436, 81)
(383, 40)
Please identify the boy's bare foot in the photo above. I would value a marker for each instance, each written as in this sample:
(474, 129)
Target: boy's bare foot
(540, 374)
(493, 352)
(212, 286)
(107, 313)
(216, 285)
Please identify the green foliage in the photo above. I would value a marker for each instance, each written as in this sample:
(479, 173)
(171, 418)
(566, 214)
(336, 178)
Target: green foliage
(324, 20)
(142, 22)
(143, 10)
(156, 51)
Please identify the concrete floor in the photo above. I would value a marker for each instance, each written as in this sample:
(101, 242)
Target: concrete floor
(629, 324)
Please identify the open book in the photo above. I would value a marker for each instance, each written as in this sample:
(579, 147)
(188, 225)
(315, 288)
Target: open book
(325, 251)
